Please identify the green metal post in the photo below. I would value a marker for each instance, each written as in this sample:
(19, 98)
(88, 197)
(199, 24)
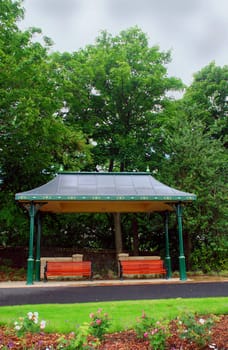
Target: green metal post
(167, 256)
(31, 235)
(182, 266)
(37, 263)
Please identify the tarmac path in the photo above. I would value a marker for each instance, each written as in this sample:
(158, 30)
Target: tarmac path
(83, 294)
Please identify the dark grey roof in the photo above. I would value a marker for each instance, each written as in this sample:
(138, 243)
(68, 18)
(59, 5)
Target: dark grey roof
(79, 186)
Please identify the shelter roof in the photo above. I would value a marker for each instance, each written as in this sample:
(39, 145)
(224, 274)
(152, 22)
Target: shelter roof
(104, 192)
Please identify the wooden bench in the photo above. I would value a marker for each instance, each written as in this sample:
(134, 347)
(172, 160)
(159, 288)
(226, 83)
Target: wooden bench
(68, 269)
(141, 267)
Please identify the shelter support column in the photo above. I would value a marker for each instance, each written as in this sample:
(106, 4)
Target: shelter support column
(37, 263)
(182, 265)
(30, 262)
(167, 256)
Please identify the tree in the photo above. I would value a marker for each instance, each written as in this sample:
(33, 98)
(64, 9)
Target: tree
(125, 88)
(197, 163)
(207, 100)
(34, 141)
(205, 108)
(115, 91)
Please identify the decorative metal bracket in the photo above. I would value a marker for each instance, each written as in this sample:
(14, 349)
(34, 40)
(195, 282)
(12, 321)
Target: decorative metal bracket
(37, 206)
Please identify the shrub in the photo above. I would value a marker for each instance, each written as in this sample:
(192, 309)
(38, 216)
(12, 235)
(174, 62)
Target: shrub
(78, 340)
(155, 331)
(195, 328)
(99, 324)
(30, 323)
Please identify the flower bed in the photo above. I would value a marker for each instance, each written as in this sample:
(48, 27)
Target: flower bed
(126, 340)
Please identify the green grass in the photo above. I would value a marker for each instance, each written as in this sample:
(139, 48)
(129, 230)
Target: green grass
(63, 318)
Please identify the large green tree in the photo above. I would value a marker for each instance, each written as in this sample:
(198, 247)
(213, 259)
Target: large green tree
(125, 89)
(206, 99)
(34, 141)
(116, 90)
(195, 161)
(204, 111)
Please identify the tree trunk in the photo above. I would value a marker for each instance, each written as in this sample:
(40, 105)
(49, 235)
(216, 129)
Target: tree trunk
(188, 249)
(122, 166)
(135, 236)
(118, 233)
(111, 165)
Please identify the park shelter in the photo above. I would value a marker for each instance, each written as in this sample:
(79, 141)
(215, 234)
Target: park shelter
(103, 192)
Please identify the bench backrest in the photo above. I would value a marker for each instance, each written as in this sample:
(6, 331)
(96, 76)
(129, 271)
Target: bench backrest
(68, 268)
(155, 263)
(142, 267)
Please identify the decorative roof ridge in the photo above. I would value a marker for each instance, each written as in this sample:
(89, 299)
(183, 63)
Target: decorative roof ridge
(103, 173)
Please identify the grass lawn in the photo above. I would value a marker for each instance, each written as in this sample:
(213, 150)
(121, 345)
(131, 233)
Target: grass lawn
(63, 318)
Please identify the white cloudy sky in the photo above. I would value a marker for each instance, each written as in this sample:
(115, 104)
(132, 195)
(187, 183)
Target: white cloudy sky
(195, 30)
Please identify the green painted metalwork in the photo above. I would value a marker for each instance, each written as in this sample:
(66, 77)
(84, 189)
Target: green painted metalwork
(167, 256)
(38, 240)
(182, 265)
(104, 198)
(135, 173)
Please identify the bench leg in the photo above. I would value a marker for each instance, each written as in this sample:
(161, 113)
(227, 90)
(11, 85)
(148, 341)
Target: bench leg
(45, 273)
(91, 276)
(120, 271)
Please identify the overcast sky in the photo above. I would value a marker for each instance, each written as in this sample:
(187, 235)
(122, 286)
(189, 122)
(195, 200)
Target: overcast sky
(196, 31)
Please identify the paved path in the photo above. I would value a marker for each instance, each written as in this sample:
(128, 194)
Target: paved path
(93, 293)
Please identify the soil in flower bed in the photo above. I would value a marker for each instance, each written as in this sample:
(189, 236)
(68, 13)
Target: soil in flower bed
(126, 340)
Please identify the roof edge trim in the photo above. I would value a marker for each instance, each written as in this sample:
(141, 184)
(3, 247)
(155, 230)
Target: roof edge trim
(106, 198)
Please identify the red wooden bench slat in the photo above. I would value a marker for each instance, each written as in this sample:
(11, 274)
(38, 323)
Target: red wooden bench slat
(141, 267)
(67, 269)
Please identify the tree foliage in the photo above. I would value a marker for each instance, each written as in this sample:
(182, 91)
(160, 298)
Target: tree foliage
(196, 162)
(125, 84)
(34, 141)
(207, 100)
